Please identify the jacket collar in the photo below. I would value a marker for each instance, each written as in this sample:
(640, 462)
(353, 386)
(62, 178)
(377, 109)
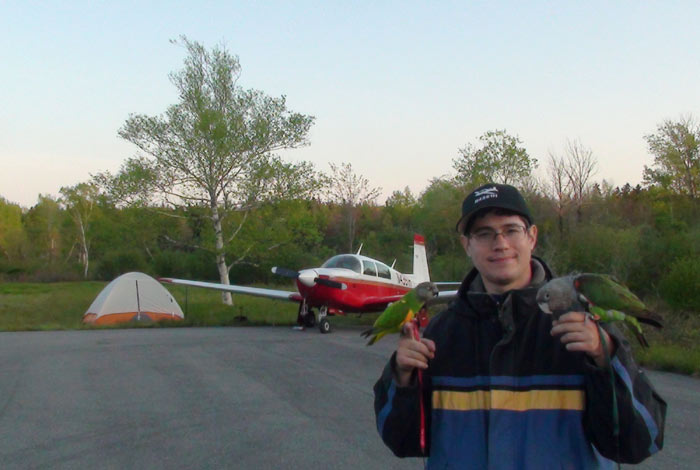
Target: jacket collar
(473, 293)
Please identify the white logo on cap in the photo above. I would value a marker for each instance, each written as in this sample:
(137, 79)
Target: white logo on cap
(486, 193)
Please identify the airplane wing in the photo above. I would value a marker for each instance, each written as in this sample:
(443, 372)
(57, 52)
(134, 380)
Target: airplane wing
(447, 284)
(254, 291)
(380, 303)
(443, 297)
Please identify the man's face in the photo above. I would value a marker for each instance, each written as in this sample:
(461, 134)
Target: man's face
(503, 260)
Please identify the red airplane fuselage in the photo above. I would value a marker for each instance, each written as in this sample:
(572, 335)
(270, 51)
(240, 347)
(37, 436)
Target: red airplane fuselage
(360, 296)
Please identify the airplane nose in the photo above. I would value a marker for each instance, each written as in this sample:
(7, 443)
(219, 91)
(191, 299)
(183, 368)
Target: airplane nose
(307, 277)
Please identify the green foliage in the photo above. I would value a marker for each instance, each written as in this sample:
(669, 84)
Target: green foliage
(676, 150)
(649, 238)
(80, 202)
(30, 306)
(351, 192)
(500, 159)
(399, 209)
(439, 207)
(171, 264)
(43, 224)
(11, 231)
(680, 286)
(116, 263)
(672, 358)
(212, 153)
(449, 267)
(604, 249)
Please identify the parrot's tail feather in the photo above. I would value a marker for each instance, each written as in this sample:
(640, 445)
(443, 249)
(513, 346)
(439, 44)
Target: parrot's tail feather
(642, 340)
(651, 318)
(376, 338)
(367, 332)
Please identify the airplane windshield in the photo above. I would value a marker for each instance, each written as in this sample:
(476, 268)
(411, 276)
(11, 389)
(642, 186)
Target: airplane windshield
(344, 261)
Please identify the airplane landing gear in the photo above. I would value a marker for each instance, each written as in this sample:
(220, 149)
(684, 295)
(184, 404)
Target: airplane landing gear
(323, 324)
(300, 314)
(305, 317)
(309, 319)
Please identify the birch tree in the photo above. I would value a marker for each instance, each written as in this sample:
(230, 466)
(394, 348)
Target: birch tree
(80, 201)
(214, 148)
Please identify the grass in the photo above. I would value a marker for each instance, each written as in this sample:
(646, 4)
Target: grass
(671, 358)
(676, 348)
(60, 306)
(50, 306)
(203, 307)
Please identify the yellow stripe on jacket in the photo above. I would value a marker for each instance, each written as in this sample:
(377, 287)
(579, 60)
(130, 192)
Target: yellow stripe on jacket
(509, 400)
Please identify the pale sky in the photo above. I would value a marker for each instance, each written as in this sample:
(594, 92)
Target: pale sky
(396, 87)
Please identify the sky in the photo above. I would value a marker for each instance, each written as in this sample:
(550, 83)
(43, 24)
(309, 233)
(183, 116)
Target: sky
(396, 87)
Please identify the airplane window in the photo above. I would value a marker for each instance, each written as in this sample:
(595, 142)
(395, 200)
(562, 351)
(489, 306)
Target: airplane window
(370, 268)
(351, 263)
(343, 261)
(383, 271)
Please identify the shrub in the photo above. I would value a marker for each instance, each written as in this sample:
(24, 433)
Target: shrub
(115, 263)
(680, 286)
(170, 264)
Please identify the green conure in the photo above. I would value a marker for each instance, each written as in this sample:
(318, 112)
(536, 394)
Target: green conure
(600, 295)
(400, 312)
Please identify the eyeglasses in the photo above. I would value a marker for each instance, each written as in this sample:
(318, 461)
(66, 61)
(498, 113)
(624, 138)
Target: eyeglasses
(512, 233)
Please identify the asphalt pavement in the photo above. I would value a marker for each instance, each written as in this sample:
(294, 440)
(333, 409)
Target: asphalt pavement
(248, 398)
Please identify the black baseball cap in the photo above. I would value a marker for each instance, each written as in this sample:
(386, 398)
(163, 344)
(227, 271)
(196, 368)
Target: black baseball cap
(492, 195)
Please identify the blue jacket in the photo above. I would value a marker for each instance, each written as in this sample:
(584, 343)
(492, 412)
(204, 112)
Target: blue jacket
(502, 393)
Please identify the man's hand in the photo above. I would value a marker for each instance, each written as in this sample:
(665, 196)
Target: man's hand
(581, 334)
(411, 354)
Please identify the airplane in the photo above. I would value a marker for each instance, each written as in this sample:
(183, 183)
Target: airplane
(346, 283)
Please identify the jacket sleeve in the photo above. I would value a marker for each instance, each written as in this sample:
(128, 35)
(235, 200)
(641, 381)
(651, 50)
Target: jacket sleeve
(641, 411)
(397, 411)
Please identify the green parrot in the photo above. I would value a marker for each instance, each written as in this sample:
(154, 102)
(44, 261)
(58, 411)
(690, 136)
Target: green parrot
(600, 295)
(400, 312)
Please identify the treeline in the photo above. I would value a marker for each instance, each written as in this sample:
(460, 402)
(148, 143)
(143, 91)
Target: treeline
(206, 197)
(647, 237)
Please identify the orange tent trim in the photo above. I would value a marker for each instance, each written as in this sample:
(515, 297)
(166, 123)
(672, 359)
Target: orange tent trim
(125, 317)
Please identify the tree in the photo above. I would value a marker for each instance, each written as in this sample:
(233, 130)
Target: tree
(11, 230)
(559, 188)
(214, 148)
(580, 167)
(676, 150)
(43, 225)
(437, 212)
(400, 207)
(80, 201)
(500, 159)
(350, 191)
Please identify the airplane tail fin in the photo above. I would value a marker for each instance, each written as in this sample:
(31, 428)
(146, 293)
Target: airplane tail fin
(420, 260)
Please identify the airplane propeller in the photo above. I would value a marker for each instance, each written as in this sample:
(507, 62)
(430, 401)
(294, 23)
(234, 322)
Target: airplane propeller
(285, 272)
(308, 277)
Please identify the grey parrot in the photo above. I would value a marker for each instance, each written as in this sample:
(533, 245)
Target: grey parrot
(600, 295)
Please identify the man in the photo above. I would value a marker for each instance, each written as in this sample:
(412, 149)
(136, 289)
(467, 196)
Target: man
(504, 386)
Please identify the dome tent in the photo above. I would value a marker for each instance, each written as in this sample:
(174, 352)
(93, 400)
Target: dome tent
(133, 297)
